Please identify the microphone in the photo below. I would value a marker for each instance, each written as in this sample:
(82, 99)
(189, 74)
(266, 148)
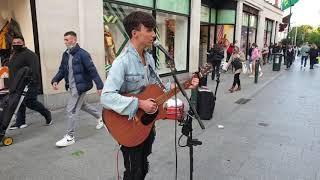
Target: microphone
(157, 44)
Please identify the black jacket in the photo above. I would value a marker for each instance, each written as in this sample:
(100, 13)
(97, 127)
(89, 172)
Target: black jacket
(290, 54)
(21, 59)
(215, 54)
(313, 53)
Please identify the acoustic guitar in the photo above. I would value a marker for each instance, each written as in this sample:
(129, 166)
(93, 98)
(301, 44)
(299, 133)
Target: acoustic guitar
(133, 132)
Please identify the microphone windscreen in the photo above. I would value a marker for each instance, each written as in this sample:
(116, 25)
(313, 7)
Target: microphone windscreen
(156, 43)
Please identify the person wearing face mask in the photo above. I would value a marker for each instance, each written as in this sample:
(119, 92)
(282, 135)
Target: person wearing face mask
(21, 57)
(78, 71)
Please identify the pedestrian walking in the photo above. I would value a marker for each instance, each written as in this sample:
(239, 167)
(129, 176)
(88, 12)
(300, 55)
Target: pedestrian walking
(236, 60)
(314, 53)
(290, 56)
(256, 55)
(304, 54)
(265, 53)
(78, 71)
(22, 57)
(215, 56)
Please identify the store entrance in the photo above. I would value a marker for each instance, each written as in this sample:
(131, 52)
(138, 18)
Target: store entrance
(204, 44)
(15, 20)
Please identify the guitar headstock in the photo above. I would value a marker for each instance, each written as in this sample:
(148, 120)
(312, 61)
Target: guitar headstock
(204, 70)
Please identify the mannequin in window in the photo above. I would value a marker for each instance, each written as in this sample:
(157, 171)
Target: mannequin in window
(9, 29)
(4, 29)
(109, 46)
(225, 41)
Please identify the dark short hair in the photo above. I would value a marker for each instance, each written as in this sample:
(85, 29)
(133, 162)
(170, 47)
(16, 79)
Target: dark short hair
(18, 37)
(71, 33)
(135, 19)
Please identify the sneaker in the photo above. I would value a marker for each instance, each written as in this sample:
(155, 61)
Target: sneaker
(49, 119)
(14, 126)
(99, 123)
(23, 126)
(65, 141)
(260, 74)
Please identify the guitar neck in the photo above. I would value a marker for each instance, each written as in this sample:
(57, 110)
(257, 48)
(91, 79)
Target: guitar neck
(172, 92)
(203, 72)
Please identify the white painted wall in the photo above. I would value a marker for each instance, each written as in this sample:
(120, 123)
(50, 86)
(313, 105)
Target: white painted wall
(239, 21)
(194, 35)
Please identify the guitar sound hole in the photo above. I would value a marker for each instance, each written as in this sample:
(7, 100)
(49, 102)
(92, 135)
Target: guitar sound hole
(146, 119)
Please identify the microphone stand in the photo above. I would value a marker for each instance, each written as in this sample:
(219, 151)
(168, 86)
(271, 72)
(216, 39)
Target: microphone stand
(187, 124)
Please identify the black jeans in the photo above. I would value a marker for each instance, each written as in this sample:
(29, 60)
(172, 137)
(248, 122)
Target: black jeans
(31, 102)
(236, 80)
(136, 159)
(215, 69)
(304, 60)
(289, 62)
(312, 62)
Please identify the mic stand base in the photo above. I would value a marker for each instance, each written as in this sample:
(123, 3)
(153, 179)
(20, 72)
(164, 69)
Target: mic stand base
(187, 131)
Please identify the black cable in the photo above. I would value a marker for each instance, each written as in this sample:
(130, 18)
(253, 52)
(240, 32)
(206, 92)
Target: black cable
(180, 141)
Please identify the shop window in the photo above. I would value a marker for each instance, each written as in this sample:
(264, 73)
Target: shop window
(15, 20)
(178, 6)
(248, 31)
(213, 16)
(225, 33)
(268, 32)
(244, 40)
(172, 32)
(226, 16)
(205, 14)
(115, 36)
(203, 46)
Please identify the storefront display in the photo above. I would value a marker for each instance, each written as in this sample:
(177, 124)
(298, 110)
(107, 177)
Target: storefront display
(172, 33)
(115, 37)
(225, 34)
(14, 21)
(248, 31)
(225, 28)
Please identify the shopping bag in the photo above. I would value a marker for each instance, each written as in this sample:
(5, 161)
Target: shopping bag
(225, 66)
(244, 68)
(318, 60)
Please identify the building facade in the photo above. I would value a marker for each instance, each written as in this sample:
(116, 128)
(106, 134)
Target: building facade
(186, 28)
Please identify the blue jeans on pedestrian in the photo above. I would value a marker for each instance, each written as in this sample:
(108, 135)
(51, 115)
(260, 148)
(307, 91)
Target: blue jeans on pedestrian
(304, 59)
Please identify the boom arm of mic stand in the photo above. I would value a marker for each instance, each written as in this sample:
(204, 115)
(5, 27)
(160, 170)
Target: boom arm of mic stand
(173, 73)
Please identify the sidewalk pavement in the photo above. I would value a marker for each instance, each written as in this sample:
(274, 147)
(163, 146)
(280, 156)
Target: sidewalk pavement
(34, 155)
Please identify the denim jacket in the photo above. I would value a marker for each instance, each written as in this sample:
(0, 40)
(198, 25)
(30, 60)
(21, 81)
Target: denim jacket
(127, 75)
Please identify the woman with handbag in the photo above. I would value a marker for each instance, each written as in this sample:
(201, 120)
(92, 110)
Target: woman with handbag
(236, 60)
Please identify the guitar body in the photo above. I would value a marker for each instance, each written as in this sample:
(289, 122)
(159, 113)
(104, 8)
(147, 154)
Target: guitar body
(133, 132)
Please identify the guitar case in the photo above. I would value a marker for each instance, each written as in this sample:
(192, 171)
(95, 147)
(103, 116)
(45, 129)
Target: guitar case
(205, 103)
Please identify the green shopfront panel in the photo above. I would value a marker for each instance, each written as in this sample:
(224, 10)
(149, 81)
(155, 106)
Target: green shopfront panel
(147, 3)
(178, 6)
(226, 16)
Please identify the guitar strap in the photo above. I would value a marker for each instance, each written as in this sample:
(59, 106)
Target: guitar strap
(155, 75)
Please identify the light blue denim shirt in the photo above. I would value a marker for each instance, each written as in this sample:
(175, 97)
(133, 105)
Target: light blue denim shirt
(127, 75)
